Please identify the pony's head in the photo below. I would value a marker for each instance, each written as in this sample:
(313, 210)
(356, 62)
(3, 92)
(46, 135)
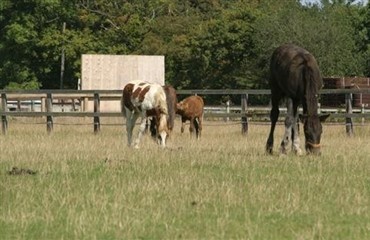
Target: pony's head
(312, 131)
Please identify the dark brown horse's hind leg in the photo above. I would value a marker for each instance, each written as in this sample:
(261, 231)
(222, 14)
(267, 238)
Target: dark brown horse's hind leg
(274, 114)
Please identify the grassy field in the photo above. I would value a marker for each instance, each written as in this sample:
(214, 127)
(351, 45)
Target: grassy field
(90, 186)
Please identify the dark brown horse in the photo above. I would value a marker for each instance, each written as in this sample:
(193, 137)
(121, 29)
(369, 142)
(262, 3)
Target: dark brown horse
(171, 99)
(295, 76)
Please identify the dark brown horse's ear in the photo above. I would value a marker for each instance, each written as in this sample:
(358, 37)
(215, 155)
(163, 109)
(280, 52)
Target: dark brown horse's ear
(302, 117)
(324, 117)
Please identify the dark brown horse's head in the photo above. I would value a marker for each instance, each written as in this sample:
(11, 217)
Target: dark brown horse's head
(312, 131)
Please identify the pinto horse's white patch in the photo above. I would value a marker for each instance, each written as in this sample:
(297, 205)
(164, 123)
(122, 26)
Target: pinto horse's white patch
(140, 98)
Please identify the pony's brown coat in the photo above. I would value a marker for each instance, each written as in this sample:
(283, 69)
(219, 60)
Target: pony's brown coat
(191, 108)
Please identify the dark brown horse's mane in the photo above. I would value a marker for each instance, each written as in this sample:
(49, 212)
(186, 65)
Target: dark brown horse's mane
(313, 83)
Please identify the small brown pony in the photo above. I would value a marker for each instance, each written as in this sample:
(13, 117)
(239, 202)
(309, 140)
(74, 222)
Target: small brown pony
(191, 108)
(295, 76)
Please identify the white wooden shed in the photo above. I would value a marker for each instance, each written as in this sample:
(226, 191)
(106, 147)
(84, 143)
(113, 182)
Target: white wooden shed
(113, 72)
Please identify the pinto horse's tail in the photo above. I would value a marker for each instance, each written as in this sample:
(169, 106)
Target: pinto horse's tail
(123, 109)
(171, 99)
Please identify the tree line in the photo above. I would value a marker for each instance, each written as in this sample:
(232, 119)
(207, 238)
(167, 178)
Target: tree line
(206, 43)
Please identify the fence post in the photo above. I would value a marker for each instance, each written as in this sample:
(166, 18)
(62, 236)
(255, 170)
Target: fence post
(4, 108)
(349, 124)
(96, 111)
(244, 102)
(19, 106)
(49, 109)
(227, 110)
(32, 105)
(85, 102)
(43, 104)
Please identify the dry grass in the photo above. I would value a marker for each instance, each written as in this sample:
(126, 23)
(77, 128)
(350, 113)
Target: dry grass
(93, 187)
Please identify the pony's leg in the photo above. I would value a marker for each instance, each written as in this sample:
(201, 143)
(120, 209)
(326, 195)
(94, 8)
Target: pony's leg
(295, 131)
(274, 114)
(289, 122)
(191, 128)
(200, 126)
(182, 124)
(196, 126)
(147, 125)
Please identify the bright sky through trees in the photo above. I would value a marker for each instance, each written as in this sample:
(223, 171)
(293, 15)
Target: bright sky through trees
(363, 2)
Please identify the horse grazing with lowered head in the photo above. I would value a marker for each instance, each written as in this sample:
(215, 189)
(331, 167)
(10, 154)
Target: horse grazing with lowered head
(171, 98)
(144, 99)
(191, 108)
(295, 76)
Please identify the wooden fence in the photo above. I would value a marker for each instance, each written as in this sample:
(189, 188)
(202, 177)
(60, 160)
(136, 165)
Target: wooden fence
(50, 97)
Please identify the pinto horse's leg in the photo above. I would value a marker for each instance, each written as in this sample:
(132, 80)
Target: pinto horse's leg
(295, 131)
(141, 130)
(289, 122)
(131, 117)
(274, 114)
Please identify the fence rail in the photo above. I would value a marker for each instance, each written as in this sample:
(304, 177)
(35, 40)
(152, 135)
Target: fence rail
(48, 98)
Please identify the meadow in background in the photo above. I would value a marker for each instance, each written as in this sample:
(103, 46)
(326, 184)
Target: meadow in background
(91, 186)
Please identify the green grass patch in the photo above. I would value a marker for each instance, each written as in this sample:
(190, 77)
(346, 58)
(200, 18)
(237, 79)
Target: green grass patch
(90, 186)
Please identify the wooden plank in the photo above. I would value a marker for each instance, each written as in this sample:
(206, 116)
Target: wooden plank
(206, 114)
(222, 91)
(68, 93)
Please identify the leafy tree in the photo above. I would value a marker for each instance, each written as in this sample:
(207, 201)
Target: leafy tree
(207, 43)
(325, 30)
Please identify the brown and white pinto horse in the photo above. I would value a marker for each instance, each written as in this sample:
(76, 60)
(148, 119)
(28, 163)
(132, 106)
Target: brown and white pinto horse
(144, 99)
(171, 99)
(295, 76)
(191, 108)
